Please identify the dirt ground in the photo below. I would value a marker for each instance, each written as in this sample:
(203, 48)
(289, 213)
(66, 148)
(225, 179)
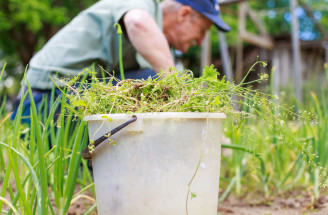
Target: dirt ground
(290, 203)
(81, 206)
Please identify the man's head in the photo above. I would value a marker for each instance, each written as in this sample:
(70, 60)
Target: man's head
(187, 21)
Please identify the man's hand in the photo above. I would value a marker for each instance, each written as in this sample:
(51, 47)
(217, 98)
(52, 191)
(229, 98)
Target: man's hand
(148, 39)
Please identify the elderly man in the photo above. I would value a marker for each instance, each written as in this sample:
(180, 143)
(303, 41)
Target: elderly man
(150, 30)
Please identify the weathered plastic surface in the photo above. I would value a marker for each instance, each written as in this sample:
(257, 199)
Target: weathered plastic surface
(148, 171)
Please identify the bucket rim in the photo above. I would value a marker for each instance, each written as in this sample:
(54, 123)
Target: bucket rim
(159, 115)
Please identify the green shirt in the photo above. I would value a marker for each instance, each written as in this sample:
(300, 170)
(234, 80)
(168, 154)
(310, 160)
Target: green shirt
(89, 38)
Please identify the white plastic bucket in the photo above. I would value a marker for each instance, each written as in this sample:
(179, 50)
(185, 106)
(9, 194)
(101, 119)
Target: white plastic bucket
(148, 171)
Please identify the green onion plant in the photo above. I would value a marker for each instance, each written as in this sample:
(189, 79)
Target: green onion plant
(42, 161)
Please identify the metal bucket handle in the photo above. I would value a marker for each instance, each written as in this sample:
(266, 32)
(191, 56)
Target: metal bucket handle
(86, 154)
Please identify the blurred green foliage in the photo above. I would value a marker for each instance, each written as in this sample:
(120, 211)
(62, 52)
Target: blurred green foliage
(276, 16)
(26, 25)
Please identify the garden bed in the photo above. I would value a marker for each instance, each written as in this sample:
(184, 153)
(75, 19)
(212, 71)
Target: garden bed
(293, 202)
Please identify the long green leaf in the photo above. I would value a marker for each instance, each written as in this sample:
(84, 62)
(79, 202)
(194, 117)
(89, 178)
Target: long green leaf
(17, 180)
(27, 177)
(2, 71)
(90, 209)
(16, 126)
(58, 168)
(3, 105)
(74, 165)
(9, 204)
(263, 171)
(40, 149)
(29, 166)
(12, 165)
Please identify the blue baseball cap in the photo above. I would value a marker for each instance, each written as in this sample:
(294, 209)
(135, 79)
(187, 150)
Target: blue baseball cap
(209, 9)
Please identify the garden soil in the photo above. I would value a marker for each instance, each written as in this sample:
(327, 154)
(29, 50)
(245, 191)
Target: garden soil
(289, 203)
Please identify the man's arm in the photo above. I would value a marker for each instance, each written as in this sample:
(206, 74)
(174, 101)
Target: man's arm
(148, 39)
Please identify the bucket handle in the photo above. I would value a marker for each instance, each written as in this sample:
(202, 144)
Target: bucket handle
(86, 154)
